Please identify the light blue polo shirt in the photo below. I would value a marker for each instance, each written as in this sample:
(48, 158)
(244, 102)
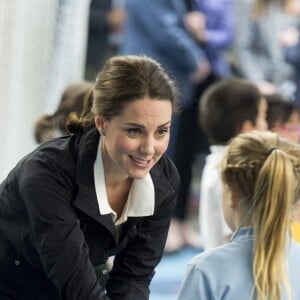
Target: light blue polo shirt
(226, 272)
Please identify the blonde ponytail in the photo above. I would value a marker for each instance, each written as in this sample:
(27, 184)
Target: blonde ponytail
(275, 185)
(263, 170)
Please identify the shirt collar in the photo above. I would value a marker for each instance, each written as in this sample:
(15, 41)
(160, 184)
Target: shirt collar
(140, 201)
(243, 232)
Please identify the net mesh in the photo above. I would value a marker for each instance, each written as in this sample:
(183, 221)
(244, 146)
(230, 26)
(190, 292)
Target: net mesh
(42, 49)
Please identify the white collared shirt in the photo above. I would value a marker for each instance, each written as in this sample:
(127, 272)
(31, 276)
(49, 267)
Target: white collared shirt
(213, 227)
(140, 201)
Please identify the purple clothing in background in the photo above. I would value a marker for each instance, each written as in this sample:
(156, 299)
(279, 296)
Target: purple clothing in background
(219, 31)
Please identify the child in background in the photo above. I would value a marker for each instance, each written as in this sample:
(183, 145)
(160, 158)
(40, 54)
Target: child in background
(72, 100)
(227, 108)
(283, 117)
(261, 183)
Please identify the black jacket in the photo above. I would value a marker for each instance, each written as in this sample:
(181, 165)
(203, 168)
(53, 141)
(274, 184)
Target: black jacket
(49, 216)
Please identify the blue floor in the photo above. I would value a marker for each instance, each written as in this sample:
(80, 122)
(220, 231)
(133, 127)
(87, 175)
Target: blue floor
(169, 273)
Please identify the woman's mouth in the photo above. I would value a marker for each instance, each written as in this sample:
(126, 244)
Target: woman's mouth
(140, 161)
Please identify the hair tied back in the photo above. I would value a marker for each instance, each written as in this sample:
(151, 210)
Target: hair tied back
(271, 150)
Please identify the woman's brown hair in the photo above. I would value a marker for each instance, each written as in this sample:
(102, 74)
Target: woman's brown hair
(124, 79)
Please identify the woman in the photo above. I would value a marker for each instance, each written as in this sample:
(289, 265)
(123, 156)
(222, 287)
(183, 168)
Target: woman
(107, 190)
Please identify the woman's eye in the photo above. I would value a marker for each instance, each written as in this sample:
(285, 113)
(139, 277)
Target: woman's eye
(133, 131)
(163, 131)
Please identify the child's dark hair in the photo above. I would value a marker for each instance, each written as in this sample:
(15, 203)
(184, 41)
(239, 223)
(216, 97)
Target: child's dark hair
(225, 106)
(279, 110)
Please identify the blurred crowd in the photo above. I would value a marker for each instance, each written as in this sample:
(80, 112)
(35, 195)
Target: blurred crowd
(200, 43)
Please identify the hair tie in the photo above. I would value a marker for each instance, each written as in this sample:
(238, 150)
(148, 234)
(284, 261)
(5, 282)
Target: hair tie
(271, 150)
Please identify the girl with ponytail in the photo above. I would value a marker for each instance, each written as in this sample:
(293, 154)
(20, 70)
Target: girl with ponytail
(261, 183)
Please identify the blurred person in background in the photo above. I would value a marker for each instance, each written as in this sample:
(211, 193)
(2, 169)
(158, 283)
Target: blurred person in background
(211, 25)
(292, 56)
(283, 117)
(104, 33)
(74, 98)
(264, 29)
(156, 28)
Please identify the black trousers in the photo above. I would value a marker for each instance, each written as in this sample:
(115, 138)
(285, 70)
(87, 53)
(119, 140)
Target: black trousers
(191, 140)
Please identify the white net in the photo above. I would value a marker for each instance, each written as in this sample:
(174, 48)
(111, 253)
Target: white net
(42, 49)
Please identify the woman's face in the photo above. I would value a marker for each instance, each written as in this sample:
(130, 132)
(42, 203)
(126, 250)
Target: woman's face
(137, 138)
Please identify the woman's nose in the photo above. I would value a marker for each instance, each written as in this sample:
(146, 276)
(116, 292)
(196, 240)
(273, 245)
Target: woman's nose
(148, 146)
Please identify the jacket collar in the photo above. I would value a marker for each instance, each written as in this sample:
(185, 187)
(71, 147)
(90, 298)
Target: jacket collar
(86, 198)
(134, 207)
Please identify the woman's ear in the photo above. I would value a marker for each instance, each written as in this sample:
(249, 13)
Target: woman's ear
(100, 124)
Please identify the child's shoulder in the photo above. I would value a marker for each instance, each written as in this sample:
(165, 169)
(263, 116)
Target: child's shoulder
(223, 258)
(211, 257)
